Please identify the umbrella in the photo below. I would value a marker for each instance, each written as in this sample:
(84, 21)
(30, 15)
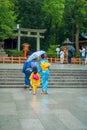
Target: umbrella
(35, 55)
(71, 48)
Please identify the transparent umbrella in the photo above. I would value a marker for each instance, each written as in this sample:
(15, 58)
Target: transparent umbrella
(35, 55)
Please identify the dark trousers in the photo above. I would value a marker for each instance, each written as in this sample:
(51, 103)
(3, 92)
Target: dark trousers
(69, 60)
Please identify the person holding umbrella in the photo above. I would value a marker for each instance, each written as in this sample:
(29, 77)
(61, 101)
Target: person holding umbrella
(27, 69)
(43, 69)
(71, 50)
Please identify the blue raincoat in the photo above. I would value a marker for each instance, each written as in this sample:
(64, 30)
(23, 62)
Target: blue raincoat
(27, 69)
(44, 75)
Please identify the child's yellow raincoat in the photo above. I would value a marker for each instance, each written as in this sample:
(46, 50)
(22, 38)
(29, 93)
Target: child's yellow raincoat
(34, 80)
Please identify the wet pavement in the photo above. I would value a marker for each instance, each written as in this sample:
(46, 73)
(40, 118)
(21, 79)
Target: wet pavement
(60, 109)
(53, 66)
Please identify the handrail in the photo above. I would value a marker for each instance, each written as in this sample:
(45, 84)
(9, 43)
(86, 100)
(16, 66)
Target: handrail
(19, 60)
(12, 59)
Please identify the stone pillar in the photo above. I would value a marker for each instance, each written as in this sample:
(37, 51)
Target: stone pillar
(38, 41)
(18, 40)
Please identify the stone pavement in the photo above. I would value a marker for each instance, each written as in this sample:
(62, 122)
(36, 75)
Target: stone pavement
(61, 109)
(53, 66)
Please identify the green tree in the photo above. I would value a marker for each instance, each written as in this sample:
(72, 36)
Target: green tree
(40, 14)
(76, 10)
(30, 14)
(54, 10)
(7, 19)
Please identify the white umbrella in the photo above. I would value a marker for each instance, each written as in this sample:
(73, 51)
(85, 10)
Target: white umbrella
(35, 55)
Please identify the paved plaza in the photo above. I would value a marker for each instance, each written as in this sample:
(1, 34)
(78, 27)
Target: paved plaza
(60, 109)
(53, 66)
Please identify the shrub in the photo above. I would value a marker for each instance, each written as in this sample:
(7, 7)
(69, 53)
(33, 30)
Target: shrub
(76, 55)
(52, 51)
(14, 52)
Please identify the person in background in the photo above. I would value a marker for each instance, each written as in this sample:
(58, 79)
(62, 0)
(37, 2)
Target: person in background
(34, 79)
(43, 69)
(27, 69)
(82, 51)
(70, 55)
(86, 55)
(61, 56)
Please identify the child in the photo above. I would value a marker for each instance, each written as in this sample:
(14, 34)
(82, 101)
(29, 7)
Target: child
(34, 79)
(86, 56)
(61, 56)
(82, 55)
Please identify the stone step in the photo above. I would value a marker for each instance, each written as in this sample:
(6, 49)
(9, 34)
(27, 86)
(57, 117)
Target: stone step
(68, 83)
(61, 78)
(12, 86)
(68, 77)
(50, 86)
(52, 74)
(50, 80)
(52, 70)
(54, 80)
(67, 71)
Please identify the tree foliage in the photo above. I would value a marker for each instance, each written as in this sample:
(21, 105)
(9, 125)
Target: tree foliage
(61, 19)
(7, 19)
(53, 17)
(54, 9)
(76, 11)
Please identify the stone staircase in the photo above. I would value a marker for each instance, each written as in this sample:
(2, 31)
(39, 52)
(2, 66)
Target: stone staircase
(14, 78)
(68, 78)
